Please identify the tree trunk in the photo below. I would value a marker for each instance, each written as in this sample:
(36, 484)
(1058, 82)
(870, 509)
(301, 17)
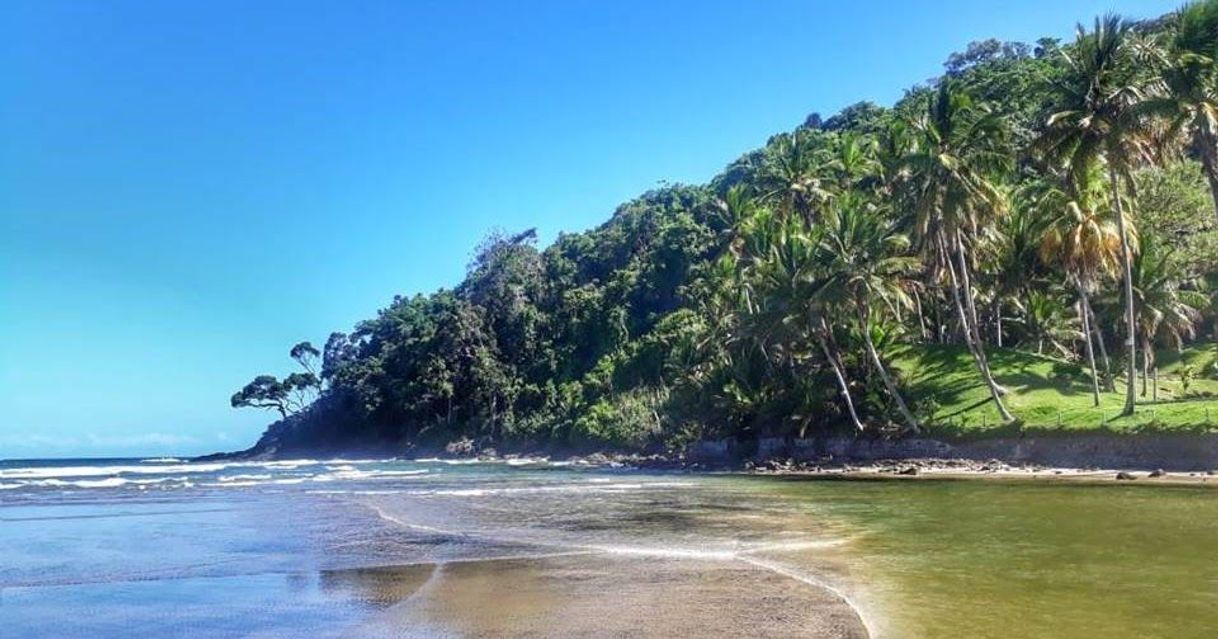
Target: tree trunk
(982, 368)
(888, 383)
(998, 321)
(1109, 385)
(921, 317)
(975, 324)
(1084, 316)
(1131, 346)
(1209, 164)
(1145, 365)
(841, 379)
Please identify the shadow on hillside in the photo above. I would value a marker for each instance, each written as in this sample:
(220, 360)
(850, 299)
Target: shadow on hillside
(948, 375)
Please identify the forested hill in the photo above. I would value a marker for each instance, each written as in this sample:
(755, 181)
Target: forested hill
(1006, 205)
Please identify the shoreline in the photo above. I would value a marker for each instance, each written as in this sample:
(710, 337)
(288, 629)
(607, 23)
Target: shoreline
(933, 470)
(1138, 459)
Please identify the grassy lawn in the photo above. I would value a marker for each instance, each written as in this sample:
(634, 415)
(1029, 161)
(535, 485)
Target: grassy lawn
(1052, 395)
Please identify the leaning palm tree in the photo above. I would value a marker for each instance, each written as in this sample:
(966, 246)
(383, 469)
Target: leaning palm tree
(947, 178)
(1086, 246)
(1099, 118)
(865, 262)
(781, 277)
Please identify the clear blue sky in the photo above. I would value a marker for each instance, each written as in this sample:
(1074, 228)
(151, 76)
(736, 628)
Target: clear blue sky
(188, 188)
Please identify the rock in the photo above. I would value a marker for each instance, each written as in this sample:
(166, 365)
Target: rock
(912, 470)
(1209, 472)
(596, 459)
(1158, 472)
(1124, 476)
(460, 448)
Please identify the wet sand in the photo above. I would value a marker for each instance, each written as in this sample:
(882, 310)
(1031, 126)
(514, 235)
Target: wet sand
(602, 595)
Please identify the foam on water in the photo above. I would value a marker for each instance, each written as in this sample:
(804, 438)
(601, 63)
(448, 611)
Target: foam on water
(59, 472)
(618, 487)
(171, 472)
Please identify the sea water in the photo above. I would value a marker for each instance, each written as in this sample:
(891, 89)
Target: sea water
(439, 548)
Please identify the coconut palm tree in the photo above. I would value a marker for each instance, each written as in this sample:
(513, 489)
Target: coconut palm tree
(793, 176)
(1014, 263)
(864, 262)
(853, 162)
(1188, 96)
(1047, 323)
(1099, 119)
(781, 278)
(1165, 310)
(1087, 246)
(948, 183)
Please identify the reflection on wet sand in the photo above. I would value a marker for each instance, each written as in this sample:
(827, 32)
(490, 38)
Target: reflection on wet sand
(597, 595)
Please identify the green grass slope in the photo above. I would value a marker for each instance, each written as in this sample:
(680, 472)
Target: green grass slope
(1049, 395)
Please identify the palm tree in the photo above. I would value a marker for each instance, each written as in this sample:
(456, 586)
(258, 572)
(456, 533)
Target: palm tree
(1015, 264)
(1098, 118)
(792, 173)
(865, 262)
(1046, 322)
(958, 147)
(853, 162)
(1164, 309)
(779, 257)
(1087, 247)
(1188, 98)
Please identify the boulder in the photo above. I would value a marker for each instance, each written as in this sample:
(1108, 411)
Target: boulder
(463, 447)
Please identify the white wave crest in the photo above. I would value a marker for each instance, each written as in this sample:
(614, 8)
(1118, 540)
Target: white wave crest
(236, 478)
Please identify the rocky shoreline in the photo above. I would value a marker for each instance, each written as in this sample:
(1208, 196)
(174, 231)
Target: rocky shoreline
(1160, 459)
(918, 468)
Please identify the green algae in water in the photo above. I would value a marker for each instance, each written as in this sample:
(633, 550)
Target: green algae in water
(1012, 559)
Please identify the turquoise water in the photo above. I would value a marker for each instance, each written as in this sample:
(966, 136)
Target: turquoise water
(339, 548)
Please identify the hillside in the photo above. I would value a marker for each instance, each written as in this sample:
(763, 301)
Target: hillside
(882, 271)
(1051, 395)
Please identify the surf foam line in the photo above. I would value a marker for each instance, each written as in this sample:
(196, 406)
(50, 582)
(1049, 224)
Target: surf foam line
(811, 580)
(742, 554)
(380, 512)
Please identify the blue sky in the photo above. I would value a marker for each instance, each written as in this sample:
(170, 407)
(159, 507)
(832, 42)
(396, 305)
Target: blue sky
(189, 188)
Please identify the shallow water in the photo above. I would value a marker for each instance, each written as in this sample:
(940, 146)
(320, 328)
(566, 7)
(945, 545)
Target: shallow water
(357, 548)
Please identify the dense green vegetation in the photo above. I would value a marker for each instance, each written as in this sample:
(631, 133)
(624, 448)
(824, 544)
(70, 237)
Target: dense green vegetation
(1028, 242)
